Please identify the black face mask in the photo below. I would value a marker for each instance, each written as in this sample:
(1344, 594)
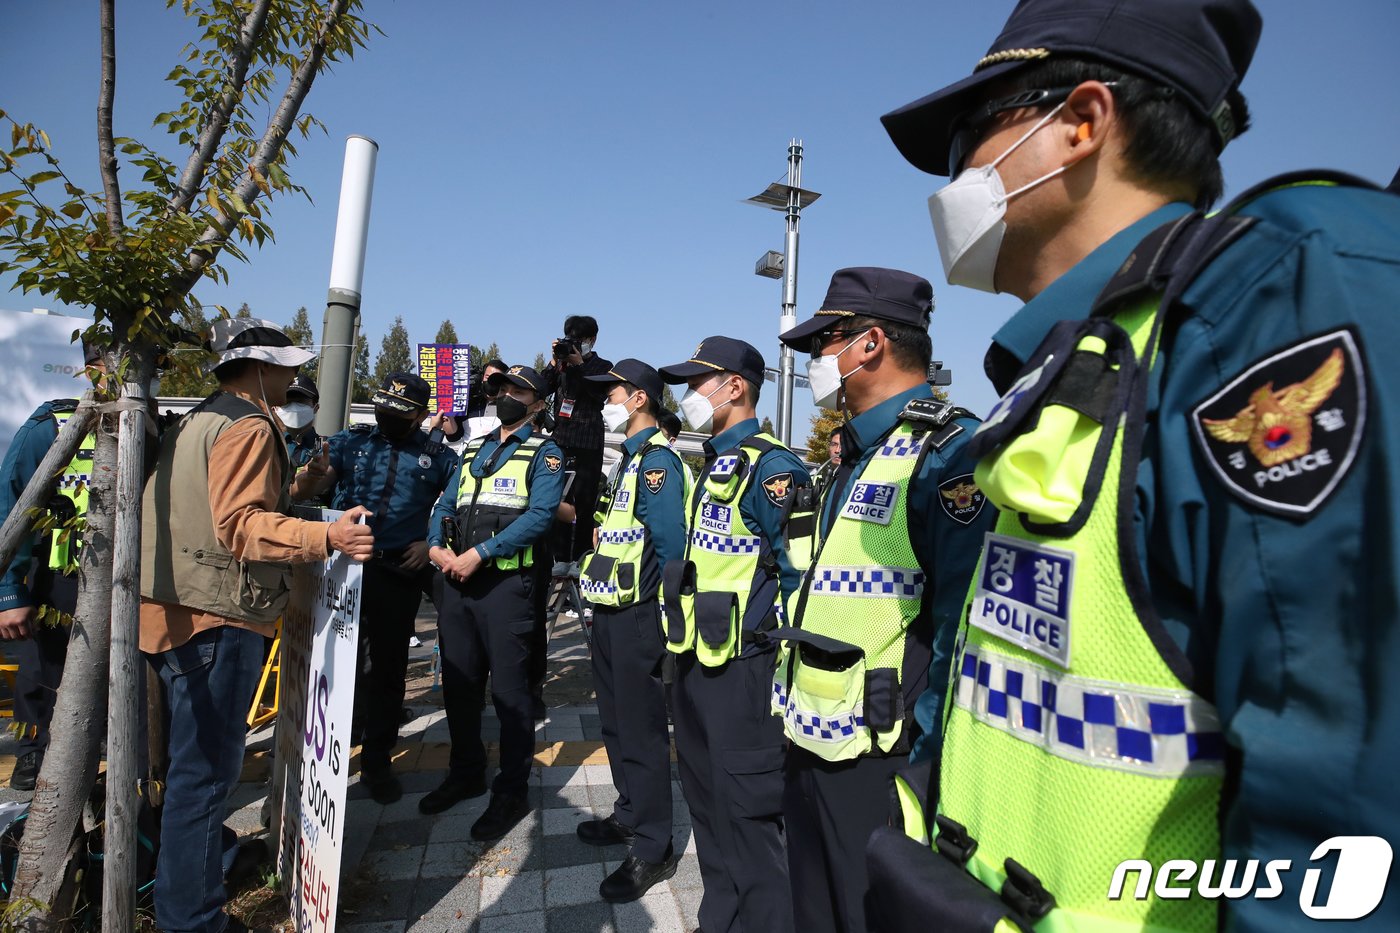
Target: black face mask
(394, 428)
(510, 410)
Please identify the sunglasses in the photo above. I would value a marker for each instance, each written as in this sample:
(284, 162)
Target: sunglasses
(969, 128)
(819, 341)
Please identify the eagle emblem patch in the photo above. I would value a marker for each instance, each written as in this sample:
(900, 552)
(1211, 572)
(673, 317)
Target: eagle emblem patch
(553, 463)
(654, 479)
(1282, 434)
(777, 487)
(962, 501)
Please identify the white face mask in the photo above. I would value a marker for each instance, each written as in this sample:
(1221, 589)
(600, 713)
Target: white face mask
(824, 375)
(969, 218)
(617, 415)
(296, 415)
(697, 410)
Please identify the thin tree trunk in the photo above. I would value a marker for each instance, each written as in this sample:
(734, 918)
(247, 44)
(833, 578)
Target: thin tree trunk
(106, 145)
(41, 485)
(70, 763)
(127, 669)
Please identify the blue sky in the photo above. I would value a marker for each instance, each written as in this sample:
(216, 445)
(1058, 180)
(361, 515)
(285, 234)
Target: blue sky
(541, 159)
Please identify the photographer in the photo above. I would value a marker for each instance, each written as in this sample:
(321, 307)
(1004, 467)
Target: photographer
(578, 429)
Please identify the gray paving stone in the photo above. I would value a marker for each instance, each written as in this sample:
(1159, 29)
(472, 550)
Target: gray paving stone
(419, 782)
(386, 926)
(598, 774)
(689, 900)
(565, 820)
(577, 884)
(575, 795)
(564, 734)
(655, 913)
(531, 922)
(585, 918)
(564, 776)
(687, 873)
(455, 824)
(405, 808)
(394, 864)
(564, 851)
(448, 860)
(445, 904)
(375, 901)
(602, 796)
(505, 857)
(406, 833)
(513, 894)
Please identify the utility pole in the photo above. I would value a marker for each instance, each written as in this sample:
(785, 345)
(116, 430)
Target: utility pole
(341, 325)
(790, 198)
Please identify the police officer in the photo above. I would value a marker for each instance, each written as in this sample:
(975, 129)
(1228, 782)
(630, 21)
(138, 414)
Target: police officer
(298, 417)
(42, 577)
(641, 527)
(393, 468)
(720, 601)
(483, 535)
(900, 523)
(1180, 642)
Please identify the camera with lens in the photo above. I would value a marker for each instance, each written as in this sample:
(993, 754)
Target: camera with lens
(564, 348)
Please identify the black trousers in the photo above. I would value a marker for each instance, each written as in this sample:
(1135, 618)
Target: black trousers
(486, 627)
(539, 642)
(627, 655)
(731, 749)
(389, 603)
(40, 660)
(831, 808)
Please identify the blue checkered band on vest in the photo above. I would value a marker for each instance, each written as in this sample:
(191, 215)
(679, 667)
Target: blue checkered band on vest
(898, 582)
(823, 728)
(723, 544)
(723, 467)
(902, 446)
(73, 479)
(621, 535)
(1106, 725)
(596, 587)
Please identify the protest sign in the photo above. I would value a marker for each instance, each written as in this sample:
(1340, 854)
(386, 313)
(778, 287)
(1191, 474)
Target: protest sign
(447, 368)
(320, 628)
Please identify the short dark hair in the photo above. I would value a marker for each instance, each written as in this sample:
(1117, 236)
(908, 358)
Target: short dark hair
(653, 404)
(234, 369)
(910, 345)
(494, 364)
(1170, 146)
(580, 327)
(670, 422)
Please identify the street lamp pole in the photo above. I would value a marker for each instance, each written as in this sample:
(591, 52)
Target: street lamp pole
(790, 198)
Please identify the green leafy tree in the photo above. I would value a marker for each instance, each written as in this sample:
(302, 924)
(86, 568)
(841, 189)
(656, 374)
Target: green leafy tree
(132, 253)
(766, 425)
(539, 362)
(362, 386)
(244, 312)
(446, 333)
(302, 335)
(825, 422)
(394, 353)
(668, 402)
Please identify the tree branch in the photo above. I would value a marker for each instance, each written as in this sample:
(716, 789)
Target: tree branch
(269, 148)
(213, 134)
(106, 149)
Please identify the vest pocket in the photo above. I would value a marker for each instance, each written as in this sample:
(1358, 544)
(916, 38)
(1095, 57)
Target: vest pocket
(606, 581)
(263, 589)
(884, 702)
(824, 702)
(716, 626)
(677, 588)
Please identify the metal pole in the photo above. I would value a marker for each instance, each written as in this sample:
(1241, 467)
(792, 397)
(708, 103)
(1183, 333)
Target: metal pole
(789, 316)
(341, 325)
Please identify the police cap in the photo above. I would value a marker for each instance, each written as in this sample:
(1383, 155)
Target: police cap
(718, 354)
(304, 387)
(637, 373)
(404, 392)
(524, 376)
(1198, 48)
(867, 291)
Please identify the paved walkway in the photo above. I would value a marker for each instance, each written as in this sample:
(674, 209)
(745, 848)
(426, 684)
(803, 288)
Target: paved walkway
(403, 871)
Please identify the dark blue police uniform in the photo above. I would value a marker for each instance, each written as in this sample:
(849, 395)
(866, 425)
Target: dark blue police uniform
(485, 625)
(398, 481)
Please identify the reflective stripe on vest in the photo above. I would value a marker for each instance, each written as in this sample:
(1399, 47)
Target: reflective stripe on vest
(1069, 743)
(866, 555)
(611, 575)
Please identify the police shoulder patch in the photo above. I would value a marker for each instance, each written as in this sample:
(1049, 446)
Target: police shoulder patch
(1282, 434)
(553, 463)
(960, 498)
(654, 479)
(777, 488)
